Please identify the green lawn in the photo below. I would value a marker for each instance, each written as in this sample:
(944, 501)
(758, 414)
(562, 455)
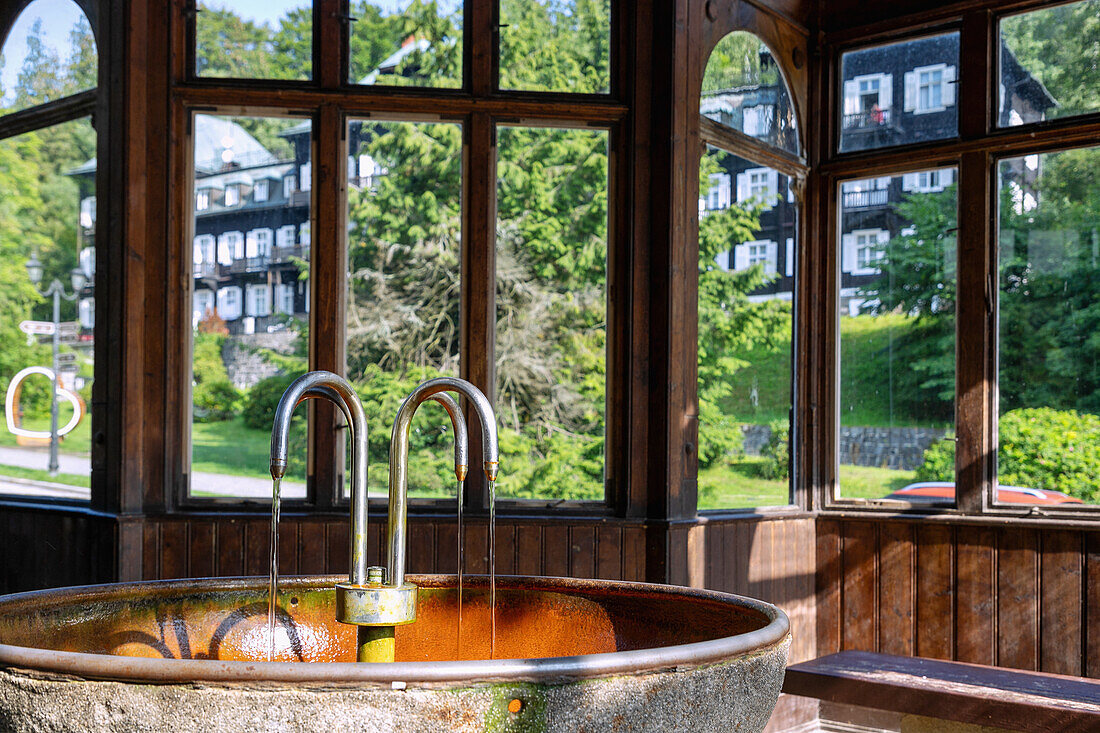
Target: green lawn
(34, 474)
(738, 486)
(79, 441)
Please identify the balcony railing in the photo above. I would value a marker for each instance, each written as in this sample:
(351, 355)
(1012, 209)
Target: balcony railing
(867, 120)
(249, 264)
(207, 269)
(284, 254)
(866, 199)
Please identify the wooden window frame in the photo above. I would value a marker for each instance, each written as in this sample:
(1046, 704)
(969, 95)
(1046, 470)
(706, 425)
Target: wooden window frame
(91, 104)
(330, 101)
(975, 153)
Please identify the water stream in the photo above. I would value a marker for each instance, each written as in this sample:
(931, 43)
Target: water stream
(458, 646)
(492, 569)
(273, 577)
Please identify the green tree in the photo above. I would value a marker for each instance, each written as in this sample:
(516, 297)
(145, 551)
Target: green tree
(39, 79)
(1060, 46)
(555, 45)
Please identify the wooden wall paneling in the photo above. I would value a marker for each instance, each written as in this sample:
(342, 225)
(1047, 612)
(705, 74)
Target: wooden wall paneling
(583, 544)
(976, 599)
(677, 566)
(201, 550)
(1061, 602)
(828, 586)
(528, 549)
(257, 547)
(376, 539)
(1018, 599)
(290, 543)
(935, 591)
(173, 549)
(337, 539)
(1091, 608)
(311, 548)
(859, 586)
(420, 548)
(715, 558)
(634, 554)
(230, 543)
(477, 548)
(506, 549)
(446, 548)
(150, 540)
(556, 550)
(897, 591)
(609, 552)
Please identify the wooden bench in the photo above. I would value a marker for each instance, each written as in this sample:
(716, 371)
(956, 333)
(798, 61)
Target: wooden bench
(965, 693)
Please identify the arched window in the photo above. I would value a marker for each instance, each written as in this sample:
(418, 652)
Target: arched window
(48, 74)
(748, 243)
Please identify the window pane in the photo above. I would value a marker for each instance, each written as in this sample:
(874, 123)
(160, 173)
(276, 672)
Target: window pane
(250, 300)
(406, 43)
(47, 216)
(1049, 316)
(897, 336)
(1050, 63)
(747, 216)
(271, 40)
(49, 54)
(551, 312)
(555, 45)
(744, 89)
(405, 226)
(899, 93)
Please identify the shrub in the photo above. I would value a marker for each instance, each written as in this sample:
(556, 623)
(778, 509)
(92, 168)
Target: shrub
(776, 452)
(1040, 448)
(939, 461)
(1043, 448)
(215, 401)
(720, 439)
(262, 399)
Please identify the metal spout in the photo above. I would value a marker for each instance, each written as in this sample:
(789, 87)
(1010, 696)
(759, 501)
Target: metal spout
(326, 385)
(399, 457)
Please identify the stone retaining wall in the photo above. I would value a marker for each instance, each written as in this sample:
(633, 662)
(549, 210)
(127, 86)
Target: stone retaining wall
(898, 448)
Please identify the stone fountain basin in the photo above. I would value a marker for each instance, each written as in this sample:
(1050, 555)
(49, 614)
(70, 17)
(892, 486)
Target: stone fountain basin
(569, 655)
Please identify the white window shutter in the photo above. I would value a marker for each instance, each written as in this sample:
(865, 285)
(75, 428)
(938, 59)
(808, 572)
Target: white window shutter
(847, 252)
(305, 180)
(722, 259)
(910, 182)
(910, 91)
(949, 86)
(724, 191)
(773, 186)
(851, 97)
(251, 245)
(196, 254)
(886, 92)
(947, 177)
(742, 187)
(883, 241)
(741, 257)
(303, 234)
(771, 265)
(225, 250)
(788, 261)
(883, 182)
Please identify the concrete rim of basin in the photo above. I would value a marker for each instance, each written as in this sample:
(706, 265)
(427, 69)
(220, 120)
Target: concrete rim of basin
(680, 656)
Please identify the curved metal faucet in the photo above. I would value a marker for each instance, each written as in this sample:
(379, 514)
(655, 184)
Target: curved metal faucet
(399, 460)
(322, 384)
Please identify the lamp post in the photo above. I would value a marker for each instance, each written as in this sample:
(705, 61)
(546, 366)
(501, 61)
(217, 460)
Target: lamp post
(57, 290)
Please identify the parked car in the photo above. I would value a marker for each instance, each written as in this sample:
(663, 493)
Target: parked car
(939, 492)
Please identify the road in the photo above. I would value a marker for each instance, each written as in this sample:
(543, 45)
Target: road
(203, 484)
